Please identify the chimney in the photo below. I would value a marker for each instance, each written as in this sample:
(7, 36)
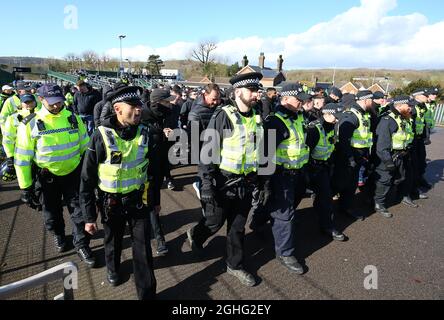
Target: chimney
(262, 61)
(244, 61)
(280, 62)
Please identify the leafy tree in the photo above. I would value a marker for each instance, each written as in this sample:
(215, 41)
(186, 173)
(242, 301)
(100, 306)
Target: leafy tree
(154, 64)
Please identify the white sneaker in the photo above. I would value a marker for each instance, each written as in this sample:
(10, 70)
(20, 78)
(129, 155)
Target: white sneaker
(196, 188)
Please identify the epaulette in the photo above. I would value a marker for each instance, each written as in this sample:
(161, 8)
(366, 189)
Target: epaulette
(27, 119)
(313, 124)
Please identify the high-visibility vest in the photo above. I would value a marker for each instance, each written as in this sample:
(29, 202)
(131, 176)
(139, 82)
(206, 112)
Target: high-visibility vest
(419, 120)
(292, 153)
(55, 142)
(325, 146)
(126, 164)
(10, 130)
(10, 106)
(429, 116)
(404, 135)
(69, 99)
(362, 137)
(239, 153)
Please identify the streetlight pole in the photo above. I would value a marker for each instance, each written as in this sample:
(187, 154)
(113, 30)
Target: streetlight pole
(121, 62)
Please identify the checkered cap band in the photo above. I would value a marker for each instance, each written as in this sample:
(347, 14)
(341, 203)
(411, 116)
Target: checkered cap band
(246, 82)
(369, 96)
(418, 93)
(126, 97)
(292, 93)
(401, 101)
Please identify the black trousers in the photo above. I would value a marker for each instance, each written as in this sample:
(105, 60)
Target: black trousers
(401, 178)
(288, 191)
(140, 229)
(319, 177)
(345, 182)
(57, 192)
(227, 207)
(156, 226)
(418, 157)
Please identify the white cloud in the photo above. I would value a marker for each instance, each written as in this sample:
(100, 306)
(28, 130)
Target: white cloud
(364, 36)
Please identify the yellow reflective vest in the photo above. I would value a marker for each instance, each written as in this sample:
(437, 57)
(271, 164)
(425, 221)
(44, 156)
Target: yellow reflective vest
(404, 135)
(126, 164)
(239, 152)
(10, 130)
(362, 137)
(292, 153)
(55, 142)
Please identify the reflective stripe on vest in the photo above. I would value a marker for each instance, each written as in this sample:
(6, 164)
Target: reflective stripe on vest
(239, 153)
(430, 115)
(292, 153)
(404, 135)
(57, 146)
(125, 167)
(362, 136)
(419, 120)
(324, 148)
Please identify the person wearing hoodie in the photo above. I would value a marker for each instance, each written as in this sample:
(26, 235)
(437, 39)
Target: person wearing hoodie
(155, 118)
(84, 101)
(202, 111)
(103, 109)
(118, 164)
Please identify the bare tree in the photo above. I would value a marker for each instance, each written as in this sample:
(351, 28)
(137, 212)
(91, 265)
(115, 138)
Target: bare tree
(71, 58)
(90, 58)
(203, 52)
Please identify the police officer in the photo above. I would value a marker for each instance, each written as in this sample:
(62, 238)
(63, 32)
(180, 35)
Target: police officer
(51, 147)
(116, 164)
(429, 117)
(419, 150)
(6, 93)
(353, 149)
(23, 115)
(287, 184)
(394, 136)
(230, 175)
(321, 142)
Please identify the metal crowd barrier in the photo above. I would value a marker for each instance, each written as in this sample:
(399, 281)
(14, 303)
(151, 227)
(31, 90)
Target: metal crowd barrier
(60, 272)
(439, 115)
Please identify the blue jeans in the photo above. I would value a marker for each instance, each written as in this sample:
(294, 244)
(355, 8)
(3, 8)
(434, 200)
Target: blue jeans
(89, 123)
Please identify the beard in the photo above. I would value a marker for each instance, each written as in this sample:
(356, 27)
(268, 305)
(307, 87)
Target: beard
(248, 103)
(406, 114)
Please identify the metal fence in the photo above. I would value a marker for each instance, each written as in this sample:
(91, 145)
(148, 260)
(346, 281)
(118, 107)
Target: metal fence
(60, 273)
(439, 115)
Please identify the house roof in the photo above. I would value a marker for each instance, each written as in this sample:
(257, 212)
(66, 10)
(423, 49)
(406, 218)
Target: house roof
(268, 73)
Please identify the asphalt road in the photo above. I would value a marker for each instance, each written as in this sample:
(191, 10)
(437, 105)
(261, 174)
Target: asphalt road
(407, 252)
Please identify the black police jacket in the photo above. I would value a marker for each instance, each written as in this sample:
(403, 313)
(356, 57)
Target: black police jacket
(386, 128)
(96, 153)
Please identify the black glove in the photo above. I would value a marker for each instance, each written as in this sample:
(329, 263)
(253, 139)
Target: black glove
(207, 193)
(265, 192)
(28, 197)
(8, 174)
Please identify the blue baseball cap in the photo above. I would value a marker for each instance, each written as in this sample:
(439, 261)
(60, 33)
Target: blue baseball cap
(51, 93)
(27, 97)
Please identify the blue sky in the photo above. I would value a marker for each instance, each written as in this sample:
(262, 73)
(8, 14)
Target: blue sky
(160, 24)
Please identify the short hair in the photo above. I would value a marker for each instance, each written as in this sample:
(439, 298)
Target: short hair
(271, 89)
(211, 87)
